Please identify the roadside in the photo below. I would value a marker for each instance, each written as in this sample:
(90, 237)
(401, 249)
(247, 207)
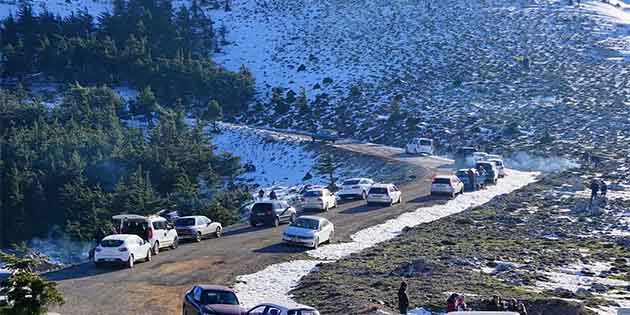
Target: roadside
(538, 244)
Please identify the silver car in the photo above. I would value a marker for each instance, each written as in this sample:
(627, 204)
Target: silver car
(197, 228)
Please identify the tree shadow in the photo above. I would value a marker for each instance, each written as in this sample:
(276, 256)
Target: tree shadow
(81, 271)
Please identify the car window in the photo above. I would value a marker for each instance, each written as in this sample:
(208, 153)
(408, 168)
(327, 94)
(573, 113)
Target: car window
(442, 181)
(395, 188)
(182, 222)
(218, 297)
(157, 225)
(257, 310)
(378, 190)
(111, 243)
(197, 294)
(273, 311)
(351, 182)
(284, 205)
(262, 207)
(306, 223)
(313, 193)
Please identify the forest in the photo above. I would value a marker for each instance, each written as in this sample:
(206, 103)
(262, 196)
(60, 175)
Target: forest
(140, 43)
(76, 165)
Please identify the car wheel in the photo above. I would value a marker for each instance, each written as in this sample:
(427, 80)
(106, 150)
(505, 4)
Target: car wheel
(364, 195)
(148, 256)
(198, 237)
(218, 232)
(276, 222)
(156, 248)
(175, 243)
(131, 261)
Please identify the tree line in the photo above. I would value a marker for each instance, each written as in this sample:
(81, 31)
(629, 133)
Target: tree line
(140, 43)
(76, 165)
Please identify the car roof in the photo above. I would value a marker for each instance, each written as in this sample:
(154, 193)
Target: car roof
(312, 217)
(381, 185)
(136, 217)
(356, 178)
(190, 217)
(121, 237)
(465, 169)
(444, 176)
(214, 287)
(284, 308)
(316, 189)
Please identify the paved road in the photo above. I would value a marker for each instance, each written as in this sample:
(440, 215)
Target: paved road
(157, 287)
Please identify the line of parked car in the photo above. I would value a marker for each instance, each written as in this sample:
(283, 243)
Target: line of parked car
(139, 237)
(480, 169)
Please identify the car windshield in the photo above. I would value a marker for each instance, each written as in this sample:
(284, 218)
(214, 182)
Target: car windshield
(461, 174)
(442, 181)
(378, 190)
(487, 167)
(210, 297)
(306, 223)
(425, 142)
(262, 207)
(111, 243)
(351, 182)
(185, 222)
(313, 193)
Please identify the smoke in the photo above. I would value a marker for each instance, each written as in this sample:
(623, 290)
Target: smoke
(526, 162)
(62, 250)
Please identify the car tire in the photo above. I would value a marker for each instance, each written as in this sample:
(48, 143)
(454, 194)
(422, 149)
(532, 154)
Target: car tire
(130, 262)
(198, 237)
(218, 232)
(175, 243)
(156, 248)
(276, 222)
(148, 259)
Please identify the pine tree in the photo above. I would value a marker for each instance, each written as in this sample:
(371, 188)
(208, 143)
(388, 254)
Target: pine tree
(213, 112)
(327, 165)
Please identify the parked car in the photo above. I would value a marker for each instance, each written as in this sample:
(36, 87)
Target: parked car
(122, 249)
(154, 229)
(447, 185)
(420, 146)
(355, 188)
(500, 167)
(309, 231)
(197, 227)
(211, 299)
(273, 309)
(491, 172)
(272, 213)
(469, 185)
(384, 194)
(326, 135)
(319, 199)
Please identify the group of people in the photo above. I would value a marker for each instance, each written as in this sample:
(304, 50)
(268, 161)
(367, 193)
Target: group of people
(499, 305)
(272, 195)
(598, 185)
(456, 303)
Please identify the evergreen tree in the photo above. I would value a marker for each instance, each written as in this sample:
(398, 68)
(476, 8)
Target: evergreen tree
(327, 165)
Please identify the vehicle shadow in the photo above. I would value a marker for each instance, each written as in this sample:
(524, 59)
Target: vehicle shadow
(242, 230)
(364, 208)
(80, 271)
(281, 248)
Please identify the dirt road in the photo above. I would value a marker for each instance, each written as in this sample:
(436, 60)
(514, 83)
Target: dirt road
(157, 287)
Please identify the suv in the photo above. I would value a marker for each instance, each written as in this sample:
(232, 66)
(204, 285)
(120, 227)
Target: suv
(155, 229)
(272, 213)
(470, 184)
(384, 194)
(492, 173)
(420, 146)
(355, 187)
(319, 199)
(197, 227)
(500, 166)
(449, 185)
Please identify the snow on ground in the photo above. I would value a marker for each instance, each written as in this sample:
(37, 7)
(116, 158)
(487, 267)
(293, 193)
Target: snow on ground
(277, 158)
(274, 283)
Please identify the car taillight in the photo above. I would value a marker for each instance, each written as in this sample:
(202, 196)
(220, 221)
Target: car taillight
(122, 249)
(150, 233)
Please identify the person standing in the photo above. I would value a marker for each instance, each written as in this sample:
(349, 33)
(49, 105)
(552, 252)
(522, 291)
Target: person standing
(403, 299)
(594, 189)
(261, 195)
(603, 188)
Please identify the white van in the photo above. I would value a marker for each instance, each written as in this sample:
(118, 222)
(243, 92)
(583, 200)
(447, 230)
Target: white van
(155, 229)
(420, 146)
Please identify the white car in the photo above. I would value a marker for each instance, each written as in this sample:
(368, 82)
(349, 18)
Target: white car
(319, 199)
(355, 188)
(154, 229)
(309, 231)
(274, 309)
(384, 193)
(500, 167)
(447, 185)
(197, 227)
(420, 146)
(122, 249)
